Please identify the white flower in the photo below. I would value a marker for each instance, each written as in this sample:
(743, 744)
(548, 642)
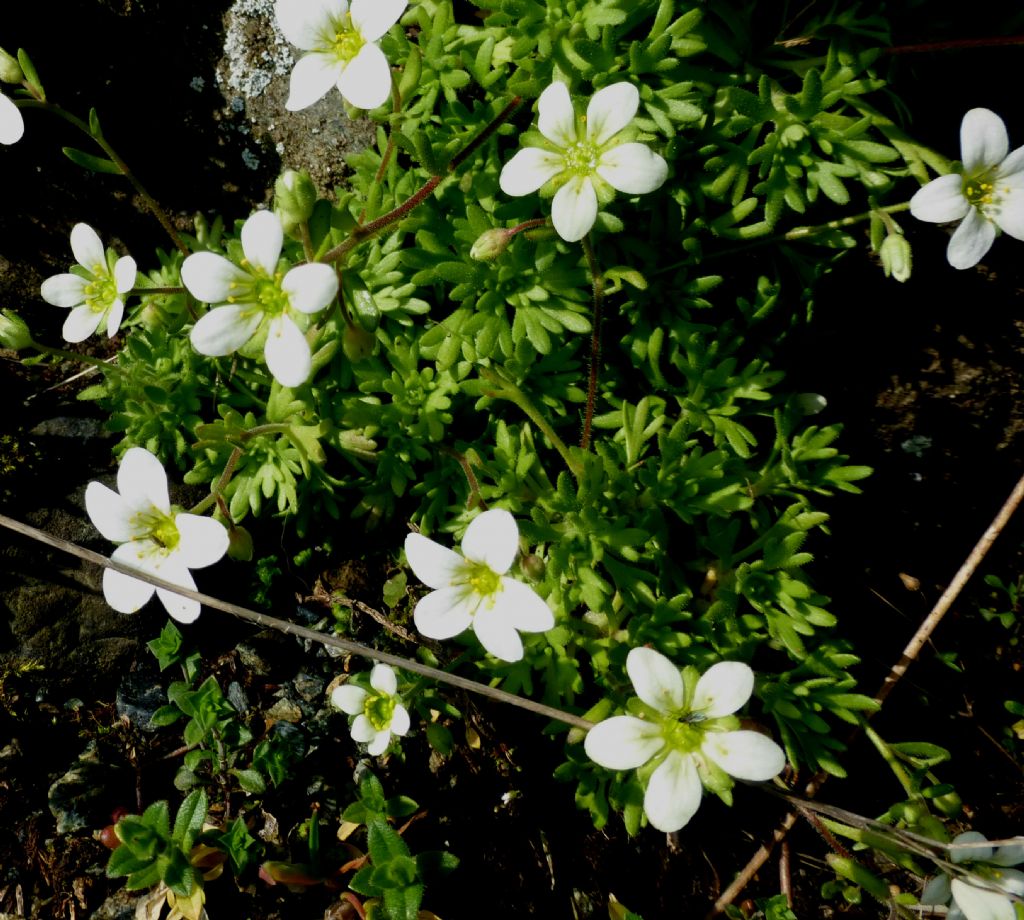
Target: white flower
(988, 195)
(472, 590)
(154, 537)
(987, 866)
(584, 157)
(96, 292)
(258, 298)
(691, 741)
(342, 52)
(379, 713)
(12, 125)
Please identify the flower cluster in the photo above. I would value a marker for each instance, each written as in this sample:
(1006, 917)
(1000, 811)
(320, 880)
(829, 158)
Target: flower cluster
(684, 743)
(155, 538)
(258, 301)
(341, 43)
(987, 867)
(472, 590)
(988, 196)
(95, 292)
(583, 159)
(378, 712)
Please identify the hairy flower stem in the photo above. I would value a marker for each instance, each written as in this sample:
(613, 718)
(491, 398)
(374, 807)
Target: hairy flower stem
(597, 284)
(476, 500)
(289, 628)
(74, 356)
(101, 141)
(506, 389)
(221, 484)
(389, 150)
(143, 291)
(363, 232)
(307, 241)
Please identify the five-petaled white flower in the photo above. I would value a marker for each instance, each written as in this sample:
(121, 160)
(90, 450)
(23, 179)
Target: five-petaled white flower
(988, 867)
(12, 125)
(584, 159)
(379, 712)
(341, 41)
(95, 292)
(472, 590)
(155, 538)
(686, 742)
(988, 195)
(257, 298)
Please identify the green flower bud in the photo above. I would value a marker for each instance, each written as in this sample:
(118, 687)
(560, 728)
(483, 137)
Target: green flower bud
(491, 244)
(357, 343)
(895, 256)
(239, 544)
(14, 331)
(294, 198)
(10, 69)
(533, 567)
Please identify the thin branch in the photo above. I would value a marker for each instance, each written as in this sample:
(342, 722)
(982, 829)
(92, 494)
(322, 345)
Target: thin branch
(293, 629)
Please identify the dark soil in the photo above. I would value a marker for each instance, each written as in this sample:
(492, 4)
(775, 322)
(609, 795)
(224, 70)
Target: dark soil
(925, 376)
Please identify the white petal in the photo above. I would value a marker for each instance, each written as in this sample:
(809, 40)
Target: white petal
(372, 18)
(312, 77)
(182, 609)
(1010, 855)
(523, 607)
(64, 290)
(379, 744)
(88, 249)
(109, 513)
(1010, 216)
(262, 239)
(528, 170)
(12, 125)
(310, 288)
(745, 754)
(203, 540)
(82, 322)
(673, 793)
(657, 680)
(433, 564)
(349, 698)
(574, 209)
(287, 352)
(362, 730)
(124, 593)
(610, 110)
(400, 720)
(1011, 880)
(556, 118)
(632, 168)
(142, 482)
(125, 273)
(936, 891)
(114, 316)
(225, 329)
(981, 905)
(940, 200)
(383, 680)
(970, 241)
(722, 689)
(959, 854)
(497, 634)
(366, 81)
(1012, 168)
(304, 22)
(983, 140)
(444, 613)
(623, 742)
(209, 277)
(492, 538)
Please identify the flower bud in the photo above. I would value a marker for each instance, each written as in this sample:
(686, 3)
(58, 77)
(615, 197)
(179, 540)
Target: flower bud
(239, 544)
(294, 198)
(14, 331)
(357, 343)
(533, 567)
(10, 69)
(491, 244)
(895, 256)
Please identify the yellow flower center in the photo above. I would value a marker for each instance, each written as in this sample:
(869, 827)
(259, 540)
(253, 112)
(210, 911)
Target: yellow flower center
(346, 41)
(581, 158)
(101, 291)
(379, 709)
(483, 580)
(260, 289)
(159, 527)
(982, 191)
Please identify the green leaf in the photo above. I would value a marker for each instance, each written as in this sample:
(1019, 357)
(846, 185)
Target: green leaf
(190, 818)
(90, 162)
(28, 68)
(403, 903)
(251, 781)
